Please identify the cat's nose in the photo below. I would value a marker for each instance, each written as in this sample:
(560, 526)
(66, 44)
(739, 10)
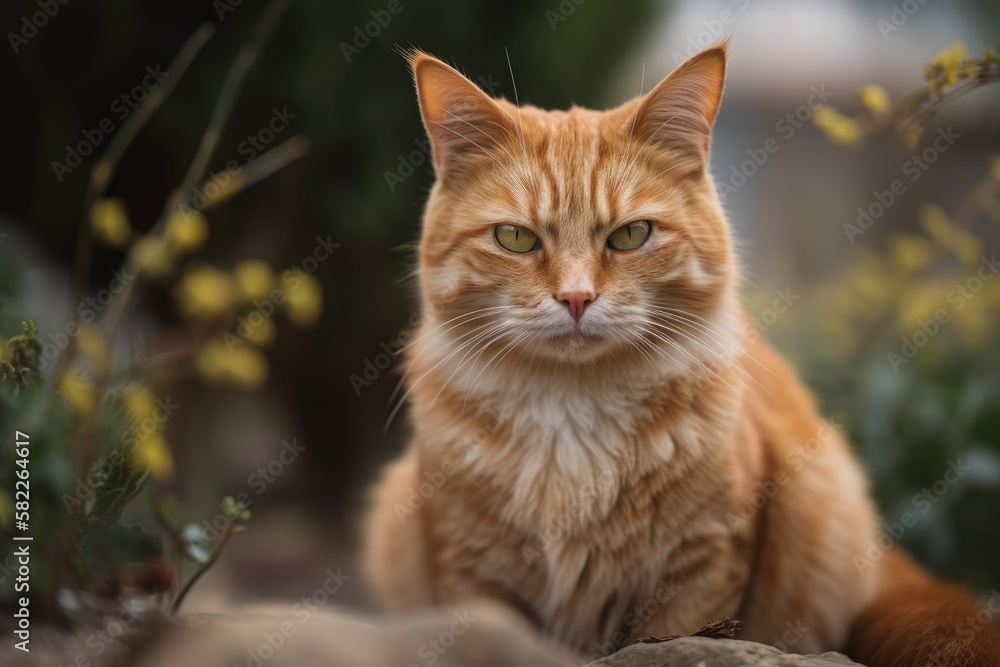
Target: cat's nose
(576, 302)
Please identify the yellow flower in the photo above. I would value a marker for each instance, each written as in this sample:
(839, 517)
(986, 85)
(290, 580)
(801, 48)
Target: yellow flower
(205, 291)
(908, 252)
(140, 402)
(995, 167)
(243, 366)
(254, 279)
(80, 394)
(974, 321)
(949, 62)
(186, 231)
(837, 127)
(152, 257)
(874, 98)
(94, 347)
(152, 452)
(263, 333)
(109, 222)
(304, 301)
(961, 243)
(909, 133)
(919, 303)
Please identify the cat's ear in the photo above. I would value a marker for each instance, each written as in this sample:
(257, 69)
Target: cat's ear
(679, 111)
(461, 119)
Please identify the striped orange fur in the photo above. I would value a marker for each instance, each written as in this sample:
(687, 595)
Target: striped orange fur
(595, 441)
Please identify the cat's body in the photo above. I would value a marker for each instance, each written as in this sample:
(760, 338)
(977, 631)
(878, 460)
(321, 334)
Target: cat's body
(594, 441)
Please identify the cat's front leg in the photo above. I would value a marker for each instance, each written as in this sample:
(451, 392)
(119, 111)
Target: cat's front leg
(396, 553)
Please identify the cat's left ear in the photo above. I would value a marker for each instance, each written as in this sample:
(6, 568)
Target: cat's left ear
(679, 111)
(461, 120)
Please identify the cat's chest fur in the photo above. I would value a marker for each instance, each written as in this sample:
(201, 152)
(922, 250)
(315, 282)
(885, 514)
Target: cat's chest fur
(582, 494)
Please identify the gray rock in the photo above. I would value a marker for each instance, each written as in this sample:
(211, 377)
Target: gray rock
(703, 652)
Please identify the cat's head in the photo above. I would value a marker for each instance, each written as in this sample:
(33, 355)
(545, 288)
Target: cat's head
(575, 234)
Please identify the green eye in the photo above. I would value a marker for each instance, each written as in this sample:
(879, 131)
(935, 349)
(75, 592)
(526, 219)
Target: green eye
(630, 236)
(516, 239)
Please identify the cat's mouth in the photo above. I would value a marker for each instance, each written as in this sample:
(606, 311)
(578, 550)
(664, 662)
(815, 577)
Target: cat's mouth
(575, 337)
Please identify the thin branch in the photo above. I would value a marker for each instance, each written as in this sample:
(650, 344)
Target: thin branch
(103, 171)
(220, 543)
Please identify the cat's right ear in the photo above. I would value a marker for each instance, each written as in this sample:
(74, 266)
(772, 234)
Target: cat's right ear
(461, 120)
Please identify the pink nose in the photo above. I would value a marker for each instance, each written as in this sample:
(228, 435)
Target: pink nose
(576, 302)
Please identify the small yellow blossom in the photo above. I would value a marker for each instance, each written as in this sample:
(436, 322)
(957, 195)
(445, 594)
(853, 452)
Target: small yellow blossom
(152, 257)
(80, 394)
(946, 69)
(837, 127)
(304, 301)
(109, 222)
(186, 231)
(909, 133)
(262, 333)
(205, 291)
(254, 278)
(874, 98)
(94, 347)
(243, 366)
(918, 303)
(908, 252)
(139, 402)
(961, 243)
(152, 452)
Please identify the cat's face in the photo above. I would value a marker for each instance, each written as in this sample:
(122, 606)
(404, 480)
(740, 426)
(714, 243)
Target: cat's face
(575, 234)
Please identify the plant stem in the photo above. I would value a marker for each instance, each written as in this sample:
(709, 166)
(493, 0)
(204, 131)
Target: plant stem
(103, 171)
(224, 104)
(220, 542)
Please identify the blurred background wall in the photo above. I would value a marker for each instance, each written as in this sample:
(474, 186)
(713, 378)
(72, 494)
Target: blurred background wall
(364, 181)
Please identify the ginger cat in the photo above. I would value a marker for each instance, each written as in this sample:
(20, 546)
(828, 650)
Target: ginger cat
(594, 441)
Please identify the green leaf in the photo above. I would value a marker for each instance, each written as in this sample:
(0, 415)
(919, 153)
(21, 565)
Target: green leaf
(118, 484)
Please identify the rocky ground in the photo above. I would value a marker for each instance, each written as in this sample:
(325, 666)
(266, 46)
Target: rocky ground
(279, 635)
